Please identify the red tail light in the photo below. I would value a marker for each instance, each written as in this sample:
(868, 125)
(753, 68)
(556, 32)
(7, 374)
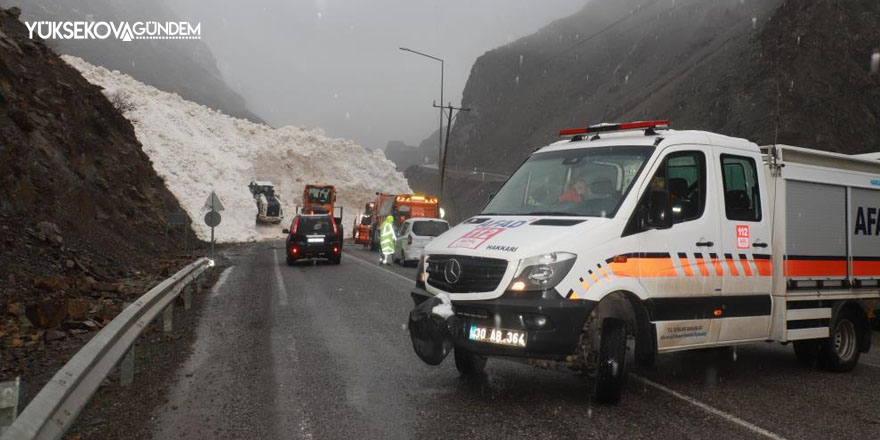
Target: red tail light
(293, 227)
(335, 250)
(294, 250)
(333, 222)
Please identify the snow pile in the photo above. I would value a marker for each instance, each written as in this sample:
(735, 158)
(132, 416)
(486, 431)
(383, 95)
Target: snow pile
(197, 150)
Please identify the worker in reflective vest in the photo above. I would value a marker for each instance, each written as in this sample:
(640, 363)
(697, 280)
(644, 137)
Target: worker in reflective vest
(387, 240)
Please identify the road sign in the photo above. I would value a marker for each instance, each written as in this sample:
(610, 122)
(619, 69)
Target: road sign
(213, 203)
(212, 219)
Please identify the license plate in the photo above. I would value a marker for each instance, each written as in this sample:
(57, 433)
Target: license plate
(316, 239)
(498, 336)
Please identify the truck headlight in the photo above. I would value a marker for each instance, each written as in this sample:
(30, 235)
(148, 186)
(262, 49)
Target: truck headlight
(542, 272)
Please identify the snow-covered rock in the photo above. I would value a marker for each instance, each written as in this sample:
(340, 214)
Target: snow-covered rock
(197, 150)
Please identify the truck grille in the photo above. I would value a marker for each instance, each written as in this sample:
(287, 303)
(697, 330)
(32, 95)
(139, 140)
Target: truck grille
(476, 274)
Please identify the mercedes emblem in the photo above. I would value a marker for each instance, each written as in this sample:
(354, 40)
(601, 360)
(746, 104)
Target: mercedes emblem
(452, 271)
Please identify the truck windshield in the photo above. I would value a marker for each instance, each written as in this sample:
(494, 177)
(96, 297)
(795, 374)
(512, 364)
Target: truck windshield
(588, 182)
(319, 195)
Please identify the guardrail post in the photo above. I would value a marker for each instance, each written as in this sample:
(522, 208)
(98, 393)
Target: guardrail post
(8, 402)
(126, 368)
(187, 296)
(168, 319)
(126, 365)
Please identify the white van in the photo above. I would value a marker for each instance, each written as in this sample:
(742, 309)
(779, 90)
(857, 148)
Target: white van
(636, 235)
(412, 237)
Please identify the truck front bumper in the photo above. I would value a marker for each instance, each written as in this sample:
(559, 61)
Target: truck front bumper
(557, 338)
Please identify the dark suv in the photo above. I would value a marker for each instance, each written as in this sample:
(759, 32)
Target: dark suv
(314, 236)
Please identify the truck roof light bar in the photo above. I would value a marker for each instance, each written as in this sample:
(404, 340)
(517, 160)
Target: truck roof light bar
(648, 126)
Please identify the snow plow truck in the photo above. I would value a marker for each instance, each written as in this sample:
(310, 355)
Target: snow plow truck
(268, 203)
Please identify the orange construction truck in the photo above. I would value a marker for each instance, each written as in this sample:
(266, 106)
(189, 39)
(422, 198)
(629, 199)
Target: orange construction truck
(362, 225)
(319, 199)
(401, 207)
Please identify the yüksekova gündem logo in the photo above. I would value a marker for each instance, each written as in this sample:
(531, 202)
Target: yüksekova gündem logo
(122, 30)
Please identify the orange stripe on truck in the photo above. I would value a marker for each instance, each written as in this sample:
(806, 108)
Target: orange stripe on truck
(809, 266)
(701, 263)
(731, 265)
(866, 268)
(716, 264)
(763, 264)
(685, 265)
(747, 268)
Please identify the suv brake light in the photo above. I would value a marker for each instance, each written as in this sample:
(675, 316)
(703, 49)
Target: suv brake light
(333, 222)
(293, 227)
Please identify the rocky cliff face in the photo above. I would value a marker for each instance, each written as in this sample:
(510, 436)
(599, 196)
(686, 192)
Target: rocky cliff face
(716, 66)
(82, 213)
(185, 67)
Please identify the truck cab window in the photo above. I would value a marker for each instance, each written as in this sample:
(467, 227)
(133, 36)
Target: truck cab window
(683, 176)
(742, 199)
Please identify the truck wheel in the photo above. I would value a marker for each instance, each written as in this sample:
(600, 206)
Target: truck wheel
(467, 363)
(806, 350)
(841, 350)
(611, 372)
(290, 261)
(336, 260)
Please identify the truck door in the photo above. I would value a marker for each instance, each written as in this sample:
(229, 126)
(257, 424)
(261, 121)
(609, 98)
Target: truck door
(745, 311)
(675, 264)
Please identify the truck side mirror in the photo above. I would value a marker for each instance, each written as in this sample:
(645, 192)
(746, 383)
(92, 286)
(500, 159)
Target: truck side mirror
(660, 210)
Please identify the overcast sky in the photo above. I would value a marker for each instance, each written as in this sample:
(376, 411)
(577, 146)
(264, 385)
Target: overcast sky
(335, 64)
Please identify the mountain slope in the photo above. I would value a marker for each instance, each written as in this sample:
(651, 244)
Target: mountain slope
(185, 67)
(705, 65)
(78, 196)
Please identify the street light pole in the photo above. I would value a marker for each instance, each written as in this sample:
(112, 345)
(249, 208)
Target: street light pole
(440, 132)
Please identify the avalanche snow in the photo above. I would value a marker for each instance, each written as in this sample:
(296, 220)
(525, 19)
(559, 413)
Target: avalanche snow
(197, 149)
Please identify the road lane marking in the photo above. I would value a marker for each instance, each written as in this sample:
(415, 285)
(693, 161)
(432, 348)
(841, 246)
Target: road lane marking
(377, 266)
(215, 291)
(282, 290)
(712, 410)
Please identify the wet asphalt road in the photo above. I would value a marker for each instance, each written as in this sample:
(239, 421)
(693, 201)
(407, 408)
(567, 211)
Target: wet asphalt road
(321, 351)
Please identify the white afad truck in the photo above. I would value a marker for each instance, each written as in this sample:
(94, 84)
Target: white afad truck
(637, 239)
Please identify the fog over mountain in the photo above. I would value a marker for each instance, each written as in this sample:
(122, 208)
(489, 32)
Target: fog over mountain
(336, 63)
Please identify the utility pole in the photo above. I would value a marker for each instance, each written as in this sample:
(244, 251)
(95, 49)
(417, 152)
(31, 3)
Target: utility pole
(440, 153)
(450, 111)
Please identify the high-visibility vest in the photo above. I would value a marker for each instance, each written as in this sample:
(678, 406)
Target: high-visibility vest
(387, 238)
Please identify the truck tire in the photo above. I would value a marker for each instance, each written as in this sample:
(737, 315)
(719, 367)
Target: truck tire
(290, 261)
(467, 363)
(841, 351)
(611, 371)
(337, 260)
(807, 350)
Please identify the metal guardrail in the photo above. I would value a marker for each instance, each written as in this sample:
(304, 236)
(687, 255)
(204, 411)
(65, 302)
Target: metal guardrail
(57, 405)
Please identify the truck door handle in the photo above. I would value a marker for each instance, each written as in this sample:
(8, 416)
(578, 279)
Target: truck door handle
(705, 244)
(759, 244)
